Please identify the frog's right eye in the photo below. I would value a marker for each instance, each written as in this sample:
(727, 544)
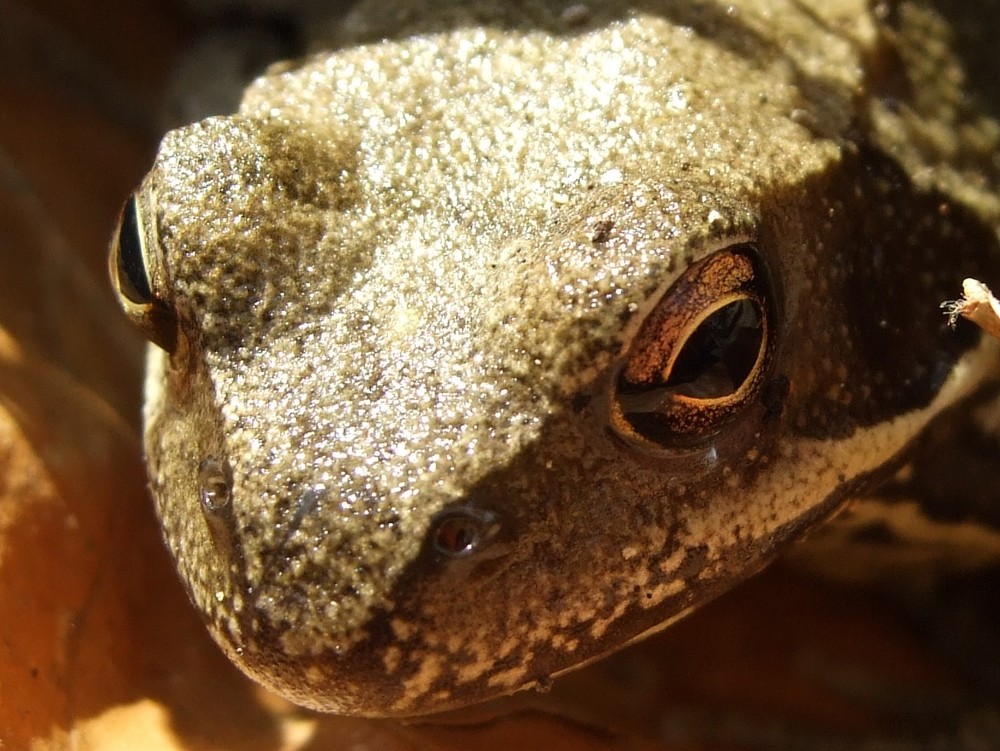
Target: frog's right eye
(129, 265)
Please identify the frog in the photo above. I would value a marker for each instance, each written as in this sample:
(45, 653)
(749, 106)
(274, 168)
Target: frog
(489, 338)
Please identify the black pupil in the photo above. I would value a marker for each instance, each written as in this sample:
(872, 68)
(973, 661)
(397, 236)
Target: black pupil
(132, 279)
(719, 356)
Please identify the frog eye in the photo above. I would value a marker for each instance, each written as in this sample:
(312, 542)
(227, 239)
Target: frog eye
(700, 355)
(129, 265)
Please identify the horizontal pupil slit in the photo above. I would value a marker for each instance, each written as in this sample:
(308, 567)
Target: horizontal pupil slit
(714, 362)
(719, 356)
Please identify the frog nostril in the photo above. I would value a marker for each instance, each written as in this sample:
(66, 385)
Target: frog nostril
(215, 490)
(215, 484)
(463, 530)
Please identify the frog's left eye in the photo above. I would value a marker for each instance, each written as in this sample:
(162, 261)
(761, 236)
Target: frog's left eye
(129, 265)
(701, 354)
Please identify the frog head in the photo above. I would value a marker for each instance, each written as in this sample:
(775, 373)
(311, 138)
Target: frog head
(481, 353)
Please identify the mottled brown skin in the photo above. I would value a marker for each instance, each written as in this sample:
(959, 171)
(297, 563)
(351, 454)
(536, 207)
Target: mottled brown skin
(399, 285)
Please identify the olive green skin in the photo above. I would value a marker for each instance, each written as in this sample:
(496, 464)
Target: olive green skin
(404, 278)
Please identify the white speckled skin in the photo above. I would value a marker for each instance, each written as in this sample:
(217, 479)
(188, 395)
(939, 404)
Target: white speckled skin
(404, 276)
